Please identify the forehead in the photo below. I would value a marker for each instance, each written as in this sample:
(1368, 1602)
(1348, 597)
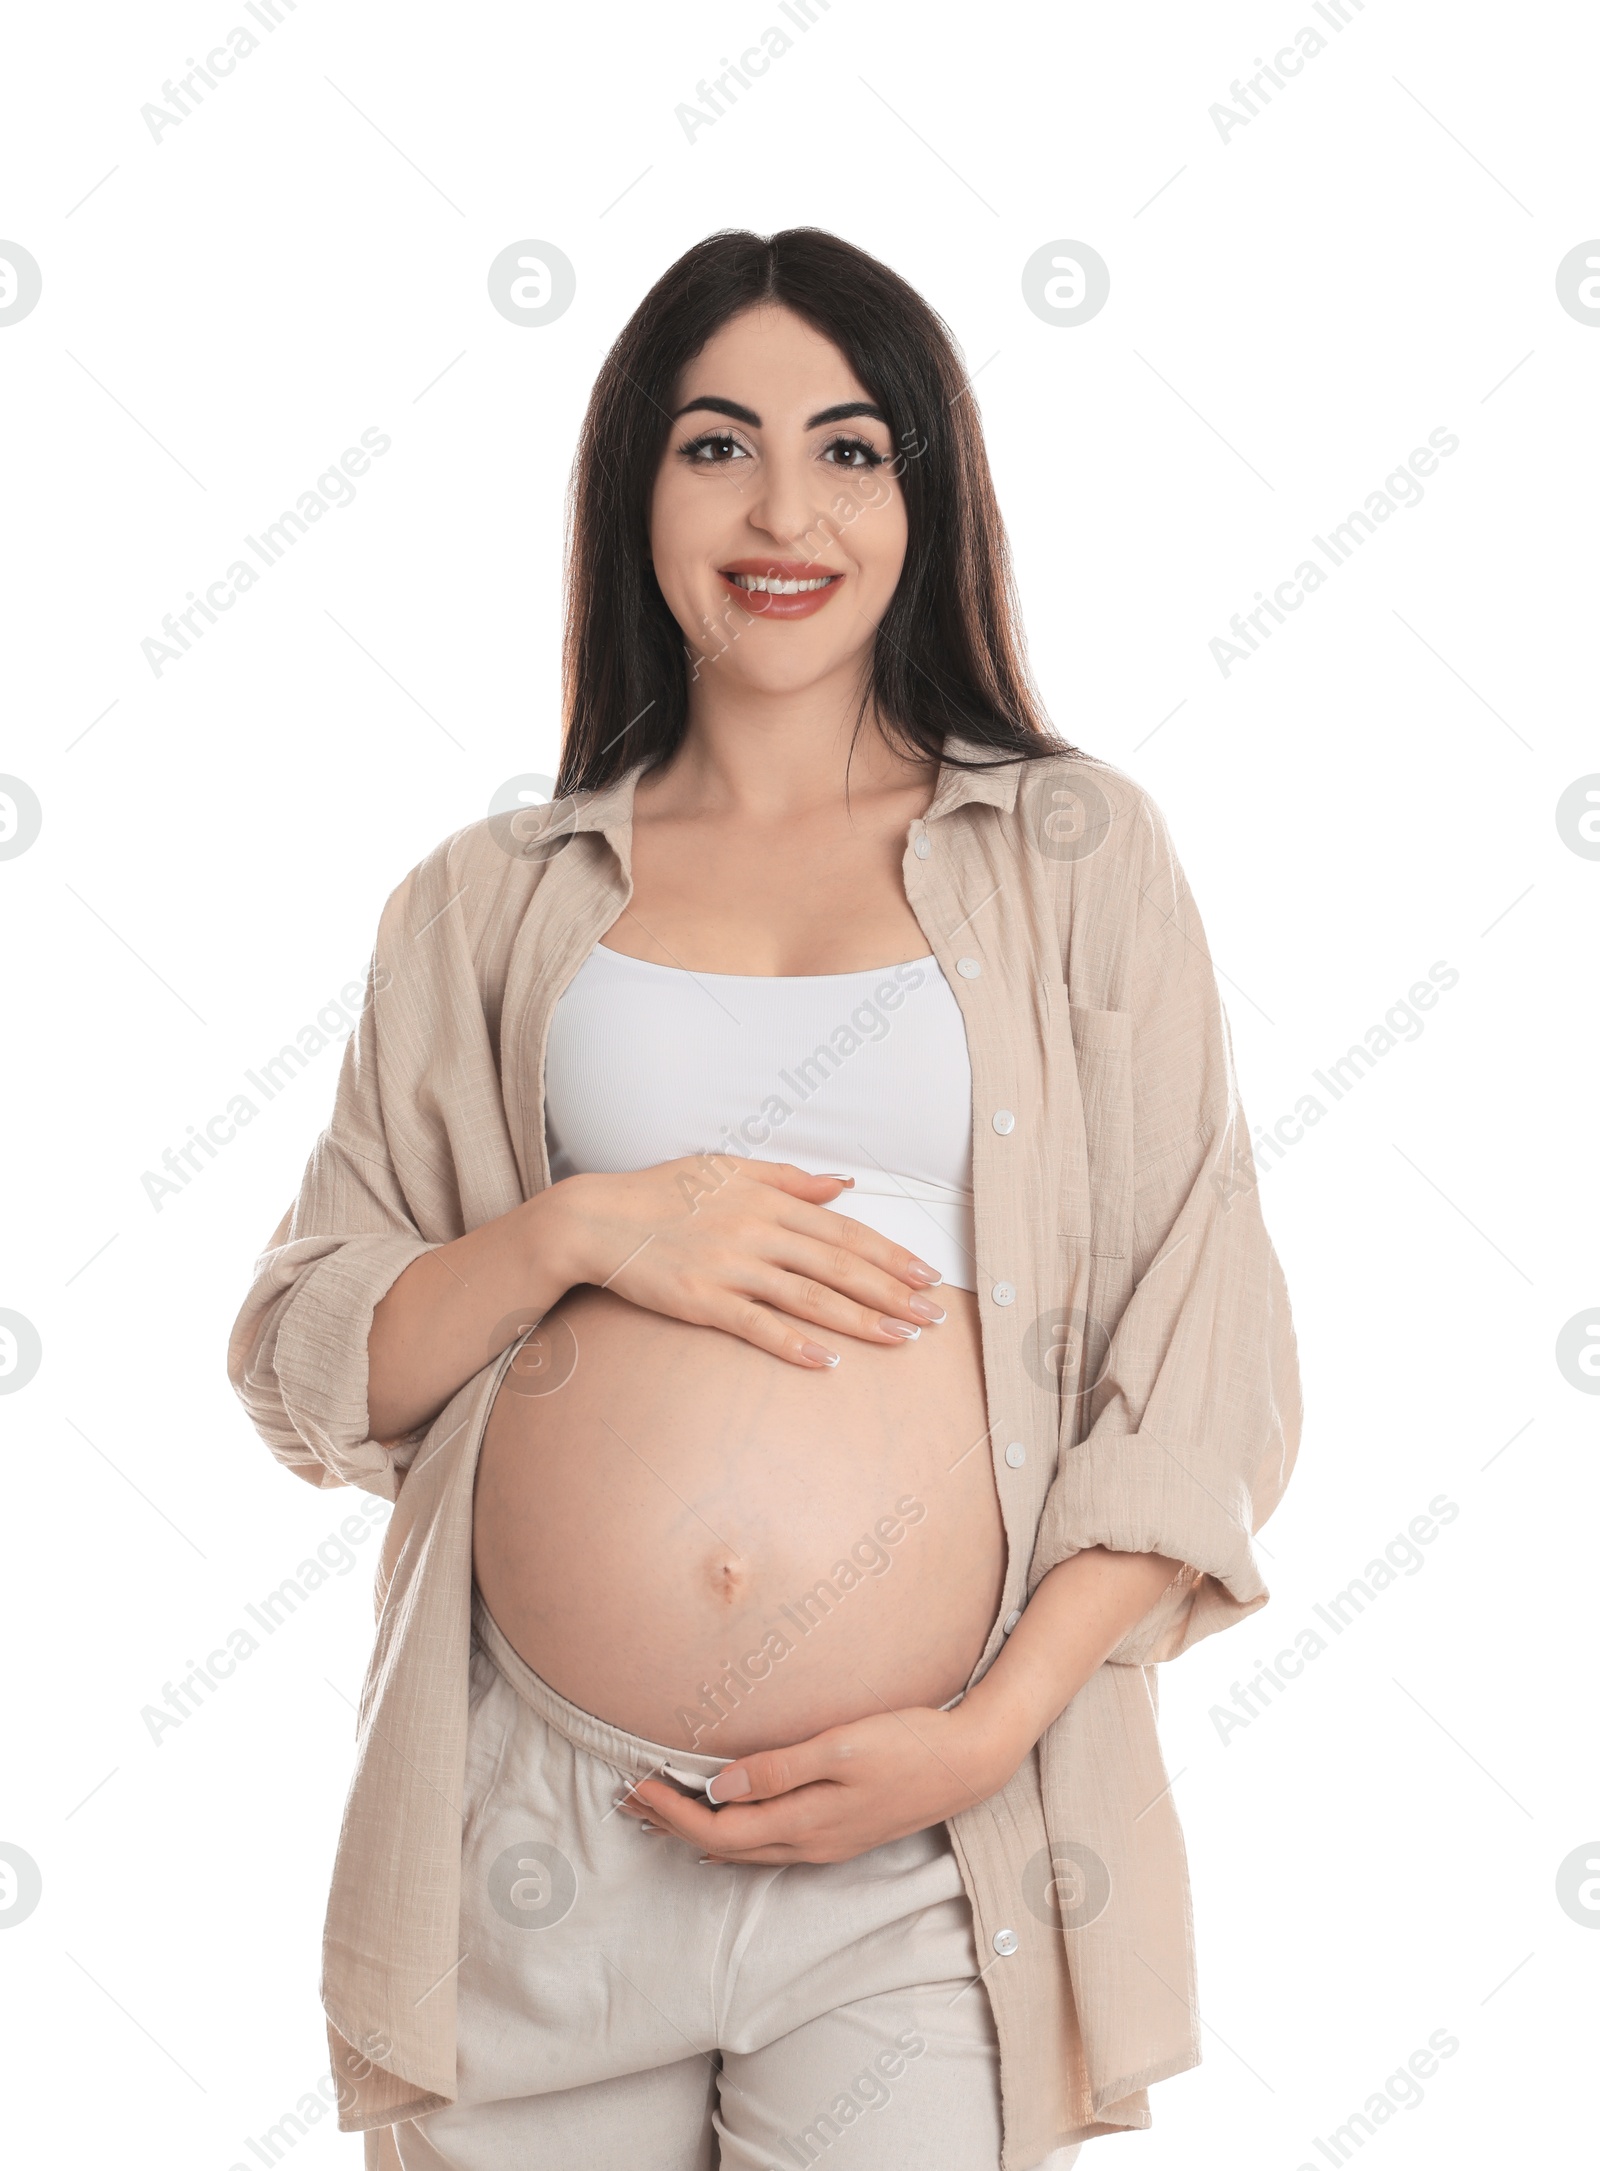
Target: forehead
(773, 362)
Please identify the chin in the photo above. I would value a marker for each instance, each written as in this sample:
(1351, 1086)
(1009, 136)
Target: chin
(784, 675)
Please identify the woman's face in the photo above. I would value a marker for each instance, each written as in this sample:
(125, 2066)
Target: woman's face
(777, 526)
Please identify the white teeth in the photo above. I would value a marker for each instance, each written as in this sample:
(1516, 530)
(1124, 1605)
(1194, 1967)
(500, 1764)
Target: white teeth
(763, 586)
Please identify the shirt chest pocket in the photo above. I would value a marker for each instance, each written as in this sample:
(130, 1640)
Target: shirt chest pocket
(1098, 1045)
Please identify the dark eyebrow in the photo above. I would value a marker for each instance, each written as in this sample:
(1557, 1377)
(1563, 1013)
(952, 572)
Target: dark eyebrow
(845, 410)
(711, 404)
(715, 406)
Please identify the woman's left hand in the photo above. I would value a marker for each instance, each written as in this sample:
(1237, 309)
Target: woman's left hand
(839, 1794)
(855, 1786)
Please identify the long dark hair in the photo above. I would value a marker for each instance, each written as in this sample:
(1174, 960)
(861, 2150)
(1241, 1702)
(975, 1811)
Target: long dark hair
(946, 658)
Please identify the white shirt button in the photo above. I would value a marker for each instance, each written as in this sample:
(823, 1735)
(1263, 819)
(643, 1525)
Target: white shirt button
(968, 967)
(1004, 1122)
(922, 847)
(1009, 1623)
(1006, 1943)
(1003, 1293)
(1016, 1454)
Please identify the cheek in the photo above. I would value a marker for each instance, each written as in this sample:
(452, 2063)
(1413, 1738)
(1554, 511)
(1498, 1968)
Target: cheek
(876, 537)
(696, 517)
(679, 518)
(667, 514)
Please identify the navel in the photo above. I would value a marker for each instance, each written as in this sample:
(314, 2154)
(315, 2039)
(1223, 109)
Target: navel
(727, 1577)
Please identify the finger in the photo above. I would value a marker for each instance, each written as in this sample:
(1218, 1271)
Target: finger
(738, 1830)
(767, 1773)
(780, 1329)
(800, 1182)
(671, 1811)
(835, 1273)
(838, 1231)
(780, 1856)
(848, 1267)
(766, 1329)
(811, 1297)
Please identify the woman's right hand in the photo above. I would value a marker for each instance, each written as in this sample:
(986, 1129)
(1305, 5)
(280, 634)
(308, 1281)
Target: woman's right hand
(749, 1247)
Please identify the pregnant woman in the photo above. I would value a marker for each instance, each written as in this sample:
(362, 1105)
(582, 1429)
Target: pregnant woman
(787, 1244)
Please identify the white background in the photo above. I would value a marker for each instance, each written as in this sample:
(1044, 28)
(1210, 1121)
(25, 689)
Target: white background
(1370, 258)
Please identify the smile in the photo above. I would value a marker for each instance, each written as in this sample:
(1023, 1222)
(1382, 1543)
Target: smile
(761, 585)
(776, 588)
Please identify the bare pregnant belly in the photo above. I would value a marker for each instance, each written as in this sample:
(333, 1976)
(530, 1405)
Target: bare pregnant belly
(717, 1550)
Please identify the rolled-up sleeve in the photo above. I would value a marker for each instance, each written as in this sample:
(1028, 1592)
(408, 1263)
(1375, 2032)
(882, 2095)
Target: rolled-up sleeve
(297, 1355)
(1195, 1417)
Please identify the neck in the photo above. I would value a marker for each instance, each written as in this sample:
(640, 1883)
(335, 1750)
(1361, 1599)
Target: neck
(774, 755)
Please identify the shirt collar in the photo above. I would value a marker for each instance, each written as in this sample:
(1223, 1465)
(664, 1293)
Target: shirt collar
(994, 786)
(611, 808)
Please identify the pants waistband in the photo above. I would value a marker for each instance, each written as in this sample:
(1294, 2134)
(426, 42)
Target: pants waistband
(627, 1753)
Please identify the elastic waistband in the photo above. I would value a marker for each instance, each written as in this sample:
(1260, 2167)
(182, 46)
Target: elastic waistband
(627, 1753)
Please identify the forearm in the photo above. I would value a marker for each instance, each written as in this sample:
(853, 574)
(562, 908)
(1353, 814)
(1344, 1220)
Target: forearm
(455, 1308)
(896, 1772)
(1078, 1615)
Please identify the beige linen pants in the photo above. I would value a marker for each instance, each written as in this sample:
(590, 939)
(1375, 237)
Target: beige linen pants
(622, 2007)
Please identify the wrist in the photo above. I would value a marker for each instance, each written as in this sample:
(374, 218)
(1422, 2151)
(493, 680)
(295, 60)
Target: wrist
(998, 1734)
(555, 1227)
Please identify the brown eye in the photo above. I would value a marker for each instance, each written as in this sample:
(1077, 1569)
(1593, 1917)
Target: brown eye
(857, 453)
(715, 450)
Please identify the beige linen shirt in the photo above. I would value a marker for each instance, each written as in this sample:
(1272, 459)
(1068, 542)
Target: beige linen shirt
(1136, 1338)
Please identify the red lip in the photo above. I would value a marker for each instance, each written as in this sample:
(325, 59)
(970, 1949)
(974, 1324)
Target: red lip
(770, 606)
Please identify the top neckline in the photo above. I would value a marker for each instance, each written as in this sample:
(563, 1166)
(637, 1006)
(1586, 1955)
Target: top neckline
(765, 979)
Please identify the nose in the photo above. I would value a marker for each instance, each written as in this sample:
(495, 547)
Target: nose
(789, 502)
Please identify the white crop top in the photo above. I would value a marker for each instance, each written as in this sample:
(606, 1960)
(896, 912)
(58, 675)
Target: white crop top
(861, 1074)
